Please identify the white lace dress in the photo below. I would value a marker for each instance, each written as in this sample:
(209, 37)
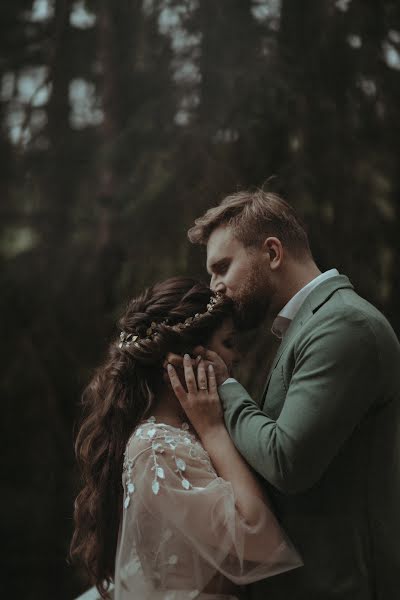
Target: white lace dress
(181, 535)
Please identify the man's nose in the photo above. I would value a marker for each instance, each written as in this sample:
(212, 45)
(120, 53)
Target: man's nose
(217, 286)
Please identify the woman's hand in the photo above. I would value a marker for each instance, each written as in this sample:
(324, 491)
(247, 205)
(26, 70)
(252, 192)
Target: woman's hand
(209, 357)
(201, 402)
(212, 358)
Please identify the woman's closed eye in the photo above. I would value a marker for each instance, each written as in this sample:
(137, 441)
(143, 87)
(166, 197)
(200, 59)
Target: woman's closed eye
(229, 343)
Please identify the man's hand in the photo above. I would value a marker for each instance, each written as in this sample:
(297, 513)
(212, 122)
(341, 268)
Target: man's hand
(201, 402)
(212, 358)
(209, 358)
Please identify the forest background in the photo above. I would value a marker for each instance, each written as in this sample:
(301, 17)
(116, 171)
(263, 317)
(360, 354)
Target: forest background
(123, 120)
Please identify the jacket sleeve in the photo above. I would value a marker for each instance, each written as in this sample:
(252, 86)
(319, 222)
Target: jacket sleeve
(334, 382)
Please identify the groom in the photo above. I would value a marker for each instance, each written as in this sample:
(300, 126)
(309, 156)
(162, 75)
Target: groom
(325, 437)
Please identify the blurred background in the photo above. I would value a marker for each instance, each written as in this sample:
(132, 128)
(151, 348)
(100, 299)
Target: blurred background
(123, 120)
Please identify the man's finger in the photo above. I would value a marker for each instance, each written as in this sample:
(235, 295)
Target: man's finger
(176, 385)
(206, 353)
(175, 360)
(200, 350)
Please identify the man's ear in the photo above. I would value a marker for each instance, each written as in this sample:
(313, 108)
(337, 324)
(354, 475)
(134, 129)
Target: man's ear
(273, 248)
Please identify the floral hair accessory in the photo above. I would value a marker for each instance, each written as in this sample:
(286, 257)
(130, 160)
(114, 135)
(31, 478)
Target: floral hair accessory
(214, 300)
(126, 339)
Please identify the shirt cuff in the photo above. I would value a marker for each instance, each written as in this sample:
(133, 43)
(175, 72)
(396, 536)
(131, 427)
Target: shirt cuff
(229, 380)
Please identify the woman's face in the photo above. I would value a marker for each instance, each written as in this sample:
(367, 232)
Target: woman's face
(223, 342)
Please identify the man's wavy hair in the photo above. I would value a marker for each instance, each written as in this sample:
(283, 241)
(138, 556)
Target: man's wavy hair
(119, 395)
(254, 216)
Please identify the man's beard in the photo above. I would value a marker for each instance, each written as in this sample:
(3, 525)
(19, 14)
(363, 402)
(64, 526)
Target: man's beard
(252, 301)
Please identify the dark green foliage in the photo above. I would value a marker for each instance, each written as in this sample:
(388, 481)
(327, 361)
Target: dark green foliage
(187, 101)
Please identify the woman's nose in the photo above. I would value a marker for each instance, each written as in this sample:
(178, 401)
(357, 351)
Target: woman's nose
(237, 356)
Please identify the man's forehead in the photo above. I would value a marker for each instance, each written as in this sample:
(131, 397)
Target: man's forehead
(221, 241)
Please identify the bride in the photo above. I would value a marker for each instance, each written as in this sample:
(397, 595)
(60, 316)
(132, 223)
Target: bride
(157, 516)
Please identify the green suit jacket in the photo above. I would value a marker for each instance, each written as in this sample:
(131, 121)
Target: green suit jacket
(326, 441)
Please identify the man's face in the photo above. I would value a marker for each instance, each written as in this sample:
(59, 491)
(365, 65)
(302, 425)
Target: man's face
(242, 274)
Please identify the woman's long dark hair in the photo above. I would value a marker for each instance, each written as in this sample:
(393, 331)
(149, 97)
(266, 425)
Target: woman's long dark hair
(117, 398)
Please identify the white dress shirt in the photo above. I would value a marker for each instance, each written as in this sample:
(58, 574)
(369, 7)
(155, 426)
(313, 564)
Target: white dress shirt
(290, 310)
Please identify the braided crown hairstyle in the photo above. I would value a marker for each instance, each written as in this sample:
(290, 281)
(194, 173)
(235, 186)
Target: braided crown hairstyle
(118, 397)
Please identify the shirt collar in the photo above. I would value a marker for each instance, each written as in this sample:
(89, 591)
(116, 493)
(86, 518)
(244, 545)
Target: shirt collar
(290, 310)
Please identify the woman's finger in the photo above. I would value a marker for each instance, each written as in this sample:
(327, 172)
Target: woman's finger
(212, 382)
(176, 360)
(176, 385)
(201, 377)
(189, 375)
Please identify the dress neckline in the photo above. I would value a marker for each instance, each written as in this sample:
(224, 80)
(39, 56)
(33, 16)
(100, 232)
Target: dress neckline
(184, 426)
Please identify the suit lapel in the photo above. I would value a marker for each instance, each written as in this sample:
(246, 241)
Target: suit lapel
(310, 306)
(302, 316)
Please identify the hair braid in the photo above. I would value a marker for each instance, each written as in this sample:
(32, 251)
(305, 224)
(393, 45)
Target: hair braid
(118, 397)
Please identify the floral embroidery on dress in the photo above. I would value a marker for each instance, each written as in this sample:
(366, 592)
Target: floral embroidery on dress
(130, 486)
(131, 568)
(163, 438)
(180, 524)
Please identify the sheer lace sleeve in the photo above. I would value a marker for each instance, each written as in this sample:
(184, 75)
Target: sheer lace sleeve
(181, 532)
